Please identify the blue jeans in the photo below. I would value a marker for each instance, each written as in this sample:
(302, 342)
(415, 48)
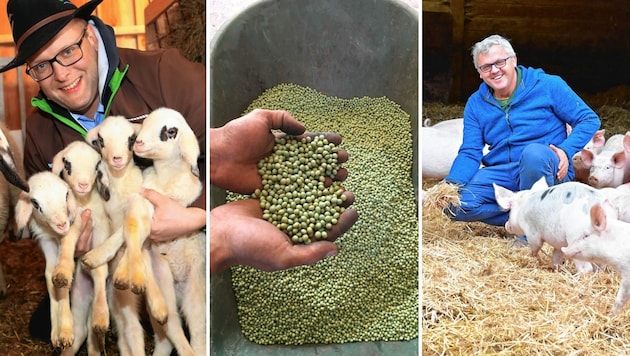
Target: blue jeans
(477, 196)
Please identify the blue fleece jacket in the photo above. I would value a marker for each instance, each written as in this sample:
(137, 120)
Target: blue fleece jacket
(541, 106)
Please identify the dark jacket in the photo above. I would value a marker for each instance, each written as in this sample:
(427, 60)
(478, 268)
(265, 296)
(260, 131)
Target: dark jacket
(137, 83)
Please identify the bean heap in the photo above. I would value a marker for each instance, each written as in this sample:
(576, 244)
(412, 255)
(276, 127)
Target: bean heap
(369, 291)
(294, 197)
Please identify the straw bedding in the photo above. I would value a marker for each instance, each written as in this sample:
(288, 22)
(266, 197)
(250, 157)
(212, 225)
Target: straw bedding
(483, 294)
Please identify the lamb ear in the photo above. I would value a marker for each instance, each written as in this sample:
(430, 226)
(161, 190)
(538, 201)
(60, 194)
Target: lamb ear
(57, 162)
(92, 138)
(23, 212)
(189, 148)
(102, 181)
(72, 204)
(136, 127)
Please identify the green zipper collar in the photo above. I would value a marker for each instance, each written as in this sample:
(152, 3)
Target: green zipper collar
(114, 85)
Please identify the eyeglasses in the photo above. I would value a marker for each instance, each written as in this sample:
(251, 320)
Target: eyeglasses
(67, 57)
(499, 64)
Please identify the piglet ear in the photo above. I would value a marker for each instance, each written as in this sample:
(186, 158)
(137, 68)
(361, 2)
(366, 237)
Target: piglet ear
(598, 217)
(503, 196)
(587, 157)
(540, 184)
(619, 159)
(626, 141)
(599, 139)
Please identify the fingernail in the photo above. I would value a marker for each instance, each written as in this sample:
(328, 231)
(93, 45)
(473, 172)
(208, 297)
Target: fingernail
(332, 253)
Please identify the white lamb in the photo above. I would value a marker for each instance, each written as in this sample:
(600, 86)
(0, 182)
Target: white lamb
(49, 210)
(122, 181)
(11, 182)
(78, 165)
(167, 139)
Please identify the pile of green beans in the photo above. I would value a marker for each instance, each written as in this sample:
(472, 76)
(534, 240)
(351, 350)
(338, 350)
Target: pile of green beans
(294, 197)
(369, 291)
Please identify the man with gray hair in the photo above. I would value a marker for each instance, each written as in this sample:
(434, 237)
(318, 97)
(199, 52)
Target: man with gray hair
(522, 114)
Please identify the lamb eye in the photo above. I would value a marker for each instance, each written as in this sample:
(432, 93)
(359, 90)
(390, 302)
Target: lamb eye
(36, 205)
(132, 140)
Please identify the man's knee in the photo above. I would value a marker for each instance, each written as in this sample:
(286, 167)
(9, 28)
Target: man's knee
(536, 154)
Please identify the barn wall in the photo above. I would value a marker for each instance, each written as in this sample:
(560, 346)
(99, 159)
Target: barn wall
(586, 42)
(125, 16)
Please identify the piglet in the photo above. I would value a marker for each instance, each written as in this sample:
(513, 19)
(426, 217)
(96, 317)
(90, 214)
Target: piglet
(592, 148)
(607, 169)
(557, 215)
(607, 243)
(440, 144)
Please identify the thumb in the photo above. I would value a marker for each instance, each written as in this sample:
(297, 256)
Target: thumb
(151, 195)
(282, 120)
(310, 254)
(85, 215)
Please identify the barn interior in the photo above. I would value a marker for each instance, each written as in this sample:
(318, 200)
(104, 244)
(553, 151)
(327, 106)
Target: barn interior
(586, 43)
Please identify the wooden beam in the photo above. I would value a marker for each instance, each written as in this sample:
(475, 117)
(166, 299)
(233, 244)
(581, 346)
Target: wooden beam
(432, 6)
(459, 49)
(129, 30)
(6, 39)
(155, 9)
(119, 30)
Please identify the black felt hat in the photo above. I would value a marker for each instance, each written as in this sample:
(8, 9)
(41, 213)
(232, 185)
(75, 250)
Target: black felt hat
(35, 22)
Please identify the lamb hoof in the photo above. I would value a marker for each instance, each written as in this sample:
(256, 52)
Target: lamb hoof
(60, 281)
(100, 330)
(64, 340)
(121, 284)
(100, 324)
(137, 289)
(161, 319)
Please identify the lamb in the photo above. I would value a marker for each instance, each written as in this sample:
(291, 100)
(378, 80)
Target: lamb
(166, 138)
(13, 173)
(113, 139)
(122, 182)
(78, 165)
(49, 210)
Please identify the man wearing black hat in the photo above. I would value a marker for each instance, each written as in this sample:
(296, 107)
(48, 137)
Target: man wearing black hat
(84, 77)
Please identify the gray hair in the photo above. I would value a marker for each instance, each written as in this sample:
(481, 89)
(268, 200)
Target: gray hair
(483, 46)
